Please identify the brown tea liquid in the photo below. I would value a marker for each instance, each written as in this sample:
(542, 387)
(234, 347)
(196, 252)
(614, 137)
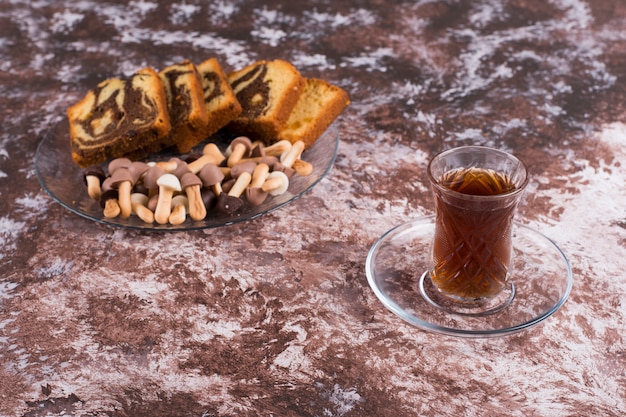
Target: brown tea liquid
(472, 244)
(477, 181)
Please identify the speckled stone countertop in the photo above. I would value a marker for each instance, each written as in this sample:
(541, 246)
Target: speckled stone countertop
(274, 316)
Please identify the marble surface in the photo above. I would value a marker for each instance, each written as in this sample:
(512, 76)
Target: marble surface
(274, 317)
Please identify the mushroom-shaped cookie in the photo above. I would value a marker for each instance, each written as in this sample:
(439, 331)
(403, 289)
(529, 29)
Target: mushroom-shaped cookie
(139, 203)
(228, 204)
(192, 184)
(278, 148)
(240, 148)
(267, 159)
(278, 166)
(138, 169)
(276, 183)
(212, 176)
(211, 154)
(288, 157)
(302, 167)
(150, 179)
(168, 184)
(179, 209)
(240, 185)
(254, 194)
(152, 201)
(93, 177)
(170, 165)
(227, 184)
(208, 198)
(108, 200)
(243, 166)
(118, 163)
(192, 157)
(258, 150)
(240, 177)
(140, 188)
(181, 168)
(231, 202)
(124, 178)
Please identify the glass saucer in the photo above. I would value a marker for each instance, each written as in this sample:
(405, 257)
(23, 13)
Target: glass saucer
(396, 263)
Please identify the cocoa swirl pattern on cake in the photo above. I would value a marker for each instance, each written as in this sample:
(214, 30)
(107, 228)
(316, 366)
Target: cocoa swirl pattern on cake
(253, 92)
(179, 95)
(218, 96)
(268, 92)
(113, 101)
(211, 86)
(118, 116)
(185, 105)
(184, 98)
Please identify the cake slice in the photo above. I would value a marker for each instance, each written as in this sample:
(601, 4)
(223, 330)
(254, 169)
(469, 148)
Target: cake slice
(267, 91)
(118, 116)
(185, 103)
(318, 106)
(218, 97)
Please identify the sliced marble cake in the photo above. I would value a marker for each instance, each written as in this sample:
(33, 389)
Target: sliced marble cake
(117, 117)
(219, 99)
(185, 101)
(318, 106)
(267, 91)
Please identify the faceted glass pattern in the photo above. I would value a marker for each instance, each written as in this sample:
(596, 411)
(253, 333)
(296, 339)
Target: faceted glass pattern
(472, 248)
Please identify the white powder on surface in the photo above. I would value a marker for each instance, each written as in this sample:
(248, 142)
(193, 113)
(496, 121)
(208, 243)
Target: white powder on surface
(343, 400)
(221, 11)
(588, 228)
(269, 35)
(9, 232)
(371, 61)
(318, 61)
(182, 12)
(144, 7)
(65, 21)
(6, 292)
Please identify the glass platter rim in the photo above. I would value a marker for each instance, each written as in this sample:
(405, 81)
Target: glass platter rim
(51, 140)
(428, 221)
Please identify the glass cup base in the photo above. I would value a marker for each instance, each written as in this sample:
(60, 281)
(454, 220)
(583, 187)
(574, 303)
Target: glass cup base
(478, 307)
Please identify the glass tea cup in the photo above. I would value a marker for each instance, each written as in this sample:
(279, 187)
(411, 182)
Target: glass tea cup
(476, 190)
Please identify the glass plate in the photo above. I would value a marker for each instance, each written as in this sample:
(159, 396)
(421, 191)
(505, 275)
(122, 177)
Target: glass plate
(63, 180)
(395, 268)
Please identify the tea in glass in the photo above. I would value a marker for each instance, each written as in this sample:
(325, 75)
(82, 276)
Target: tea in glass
(477, 190)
